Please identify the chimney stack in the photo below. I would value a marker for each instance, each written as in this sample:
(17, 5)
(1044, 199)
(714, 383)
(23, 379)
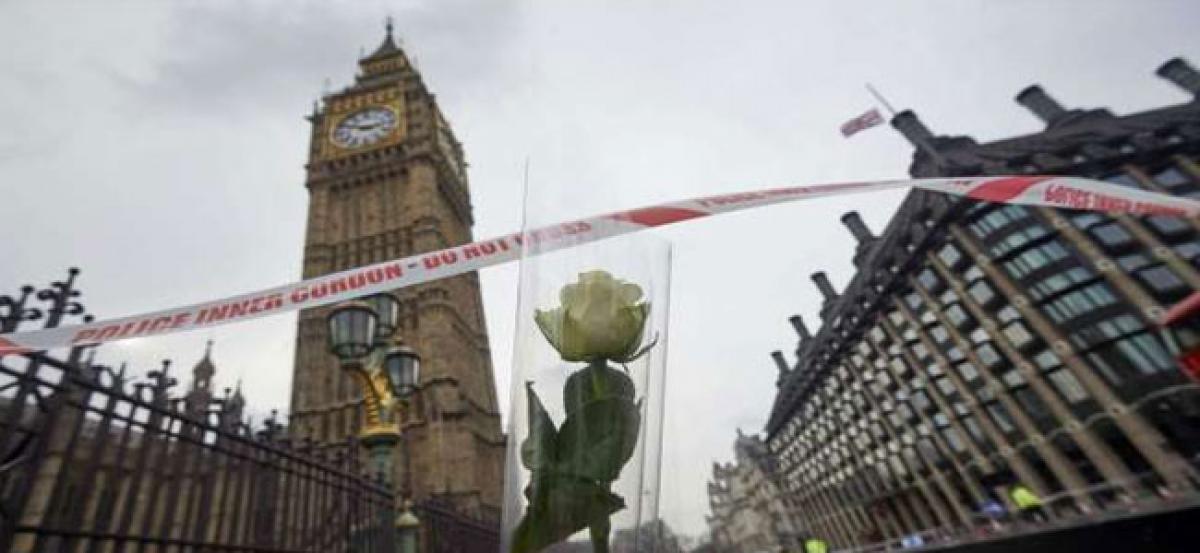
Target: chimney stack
(801, 330)
(1180, 72)
(1041, 104)
(857, 227)
(780, 362)
(912, 128)
(823, 284)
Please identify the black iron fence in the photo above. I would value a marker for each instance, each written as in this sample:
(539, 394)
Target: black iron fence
(445, 530)
(92, 461)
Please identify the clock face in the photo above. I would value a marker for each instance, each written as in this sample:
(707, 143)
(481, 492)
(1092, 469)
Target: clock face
(364, 127)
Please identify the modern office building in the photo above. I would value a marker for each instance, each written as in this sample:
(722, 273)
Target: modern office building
(981, 345)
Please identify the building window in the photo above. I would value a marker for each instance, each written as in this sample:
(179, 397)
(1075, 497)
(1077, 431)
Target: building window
(1189, 251)
(940, 335)
(988, 355)
(1174, 180)
(913, 300)
(1122, 345)
(1079, 302)
(955, 441)
(1087, 220)
(956, 315)
(1018, 334)
(1031, 403)
(1018, 239)
(920, 400)
(1060, 282)
(945, 386)
(1013, 379)
(1000, 415)
(997, 219)
(1163, 281)
(929, 281)
(1154, 274)
(1145, 353)
(1047, 360)
(974, 429)
(1169, 226)
(1008, 314)
(1132, 262)
(982, 293)
(1068, 386)
(1035, 258)
(1112, 236)
(968, 372)
(950, 255)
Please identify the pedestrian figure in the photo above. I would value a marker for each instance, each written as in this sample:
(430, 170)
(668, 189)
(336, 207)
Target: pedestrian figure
(1028, 503)
(815, 545)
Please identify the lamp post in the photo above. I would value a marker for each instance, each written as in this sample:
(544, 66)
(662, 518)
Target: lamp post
(362, 335)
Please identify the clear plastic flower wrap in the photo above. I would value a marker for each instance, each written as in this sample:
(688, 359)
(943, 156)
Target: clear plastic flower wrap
(586, 411)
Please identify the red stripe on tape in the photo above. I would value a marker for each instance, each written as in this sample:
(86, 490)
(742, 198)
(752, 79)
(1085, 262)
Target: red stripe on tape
(655, 216)
(999, 189)
(7, 347)
(1003, 190)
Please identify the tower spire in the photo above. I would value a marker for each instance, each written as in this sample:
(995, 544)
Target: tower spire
(204, 370)
(388, 46)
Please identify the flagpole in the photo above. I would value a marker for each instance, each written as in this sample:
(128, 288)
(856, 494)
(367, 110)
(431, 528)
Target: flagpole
(881, 99)
(921, 144)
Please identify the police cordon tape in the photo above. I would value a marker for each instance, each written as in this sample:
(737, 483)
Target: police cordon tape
(1065, 192)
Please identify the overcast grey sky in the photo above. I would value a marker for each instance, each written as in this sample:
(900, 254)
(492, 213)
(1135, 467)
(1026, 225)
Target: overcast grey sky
(159, 146)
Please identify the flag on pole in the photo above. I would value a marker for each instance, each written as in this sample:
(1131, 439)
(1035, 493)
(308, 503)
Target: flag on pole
(862, 122)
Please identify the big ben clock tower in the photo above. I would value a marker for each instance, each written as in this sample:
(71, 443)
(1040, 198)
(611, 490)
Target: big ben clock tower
(386, 179)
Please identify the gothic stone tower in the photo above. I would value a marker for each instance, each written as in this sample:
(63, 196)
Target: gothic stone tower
(386, 179)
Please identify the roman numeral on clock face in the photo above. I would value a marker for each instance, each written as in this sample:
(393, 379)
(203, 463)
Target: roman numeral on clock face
(364, 127)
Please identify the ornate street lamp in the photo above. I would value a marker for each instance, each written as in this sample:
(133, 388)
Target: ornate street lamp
(387, 309)
(361, 335)
(352, 331)
(403, 368)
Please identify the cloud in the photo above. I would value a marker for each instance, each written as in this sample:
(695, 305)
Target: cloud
(217, 61)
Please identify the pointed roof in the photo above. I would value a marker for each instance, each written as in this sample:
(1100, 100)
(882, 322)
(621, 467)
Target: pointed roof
(388, 47)
(238, 399)
(205, 368)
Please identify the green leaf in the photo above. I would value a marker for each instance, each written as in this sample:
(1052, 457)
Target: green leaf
(550, 323)
(538, 448)
(561, 505)
(596, 382)
(597, 440)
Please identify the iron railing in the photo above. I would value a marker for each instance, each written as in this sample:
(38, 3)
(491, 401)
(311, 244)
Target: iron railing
(447, 531)
(93, 461)
(90, 465)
